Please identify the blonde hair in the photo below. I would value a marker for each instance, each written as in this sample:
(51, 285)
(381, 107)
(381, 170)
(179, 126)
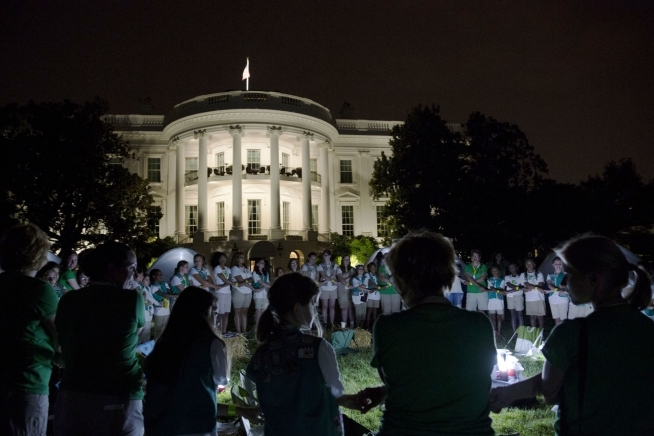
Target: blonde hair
(422, 266)
(24, 247)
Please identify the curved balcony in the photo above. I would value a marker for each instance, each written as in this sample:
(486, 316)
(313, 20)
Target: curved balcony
(251, 172)
(249, 100)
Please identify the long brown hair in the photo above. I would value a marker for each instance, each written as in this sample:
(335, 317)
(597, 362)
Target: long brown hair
(188, 322)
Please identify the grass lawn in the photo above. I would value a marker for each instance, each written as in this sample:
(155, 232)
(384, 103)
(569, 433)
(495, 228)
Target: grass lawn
(356, 374)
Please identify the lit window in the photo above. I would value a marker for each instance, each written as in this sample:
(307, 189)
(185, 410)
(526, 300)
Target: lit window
(346, 171)
(220, 162)
(154, 169)
(220, 218)
(254, 159)
(254, 217)
(286, 215)
(347, 218)
(286, 160)
(191, 213)
(191, 164)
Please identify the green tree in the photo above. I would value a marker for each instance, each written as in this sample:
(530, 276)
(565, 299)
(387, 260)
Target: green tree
(457, 184)
(360, 247)
(67, 175)
(418, 175)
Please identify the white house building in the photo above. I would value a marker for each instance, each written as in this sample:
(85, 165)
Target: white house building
(233, 169)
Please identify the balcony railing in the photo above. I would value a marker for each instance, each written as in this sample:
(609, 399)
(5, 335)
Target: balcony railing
(252, 169)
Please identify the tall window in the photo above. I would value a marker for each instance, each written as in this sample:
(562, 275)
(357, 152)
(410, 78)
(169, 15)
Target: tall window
(254, 159)
(314, 217)
(286, 215)
(286, 160)
(346, 171)
(191, 164)
(254, 217)
(154, 169)
(191, 213)
(154, 224)
(220, 218)
(347, 218)
(220, 161)
(381, 224)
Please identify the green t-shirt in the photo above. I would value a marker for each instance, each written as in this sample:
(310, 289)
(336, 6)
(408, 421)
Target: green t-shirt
(66, 275)
(618, 399)
(386, 290)
(476, 272)
(436, 361)
(98, 331)
(28, 349)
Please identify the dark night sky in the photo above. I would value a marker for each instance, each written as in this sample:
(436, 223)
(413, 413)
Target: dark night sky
(576, 76)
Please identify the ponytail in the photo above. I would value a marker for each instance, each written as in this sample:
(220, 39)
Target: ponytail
(267, 324)
(641, 296)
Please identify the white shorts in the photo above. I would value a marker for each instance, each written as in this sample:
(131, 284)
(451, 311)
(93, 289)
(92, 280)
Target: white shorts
(559, 311)
(224, 303)
(495, 305)
(477, 301)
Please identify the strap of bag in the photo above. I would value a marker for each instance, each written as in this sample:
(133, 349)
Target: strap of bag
(583, 365)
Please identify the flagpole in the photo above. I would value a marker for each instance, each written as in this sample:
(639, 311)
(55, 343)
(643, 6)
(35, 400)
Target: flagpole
(247, 84)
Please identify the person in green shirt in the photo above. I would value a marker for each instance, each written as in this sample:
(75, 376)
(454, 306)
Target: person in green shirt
(599, 369)
(67, 277)
(476, 273)
(27, 332)
(98, 326)
(435, 360)
(390, 299)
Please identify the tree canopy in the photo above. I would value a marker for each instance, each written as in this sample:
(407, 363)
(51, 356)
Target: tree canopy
(67, 175)
(456, 183)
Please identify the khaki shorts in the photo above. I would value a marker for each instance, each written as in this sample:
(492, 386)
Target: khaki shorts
(477, 301)
(535, 308)
(241, 300)
(559, 311)
(344, 296)
(261, 303)
(373, 303)
(391, 303)
(328, 294)
(224, 303)
(515, 303)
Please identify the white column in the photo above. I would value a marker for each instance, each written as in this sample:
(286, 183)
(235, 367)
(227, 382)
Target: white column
(323, 222)
(180, 225)
(367, 219)
(306, 181)
(275, 227)
(331, 169)
(202, 181)
(237, 184)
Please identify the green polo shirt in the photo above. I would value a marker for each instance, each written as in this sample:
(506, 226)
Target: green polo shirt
(386, 290)
(27, 347)
(476, 273)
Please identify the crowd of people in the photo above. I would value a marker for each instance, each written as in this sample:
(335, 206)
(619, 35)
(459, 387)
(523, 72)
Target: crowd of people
(433, 358)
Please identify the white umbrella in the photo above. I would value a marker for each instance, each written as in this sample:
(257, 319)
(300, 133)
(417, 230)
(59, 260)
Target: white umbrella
(167, 262)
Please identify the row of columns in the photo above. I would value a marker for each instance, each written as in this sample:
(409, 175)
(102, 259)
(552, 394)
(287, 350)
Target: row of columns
(236, 232)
